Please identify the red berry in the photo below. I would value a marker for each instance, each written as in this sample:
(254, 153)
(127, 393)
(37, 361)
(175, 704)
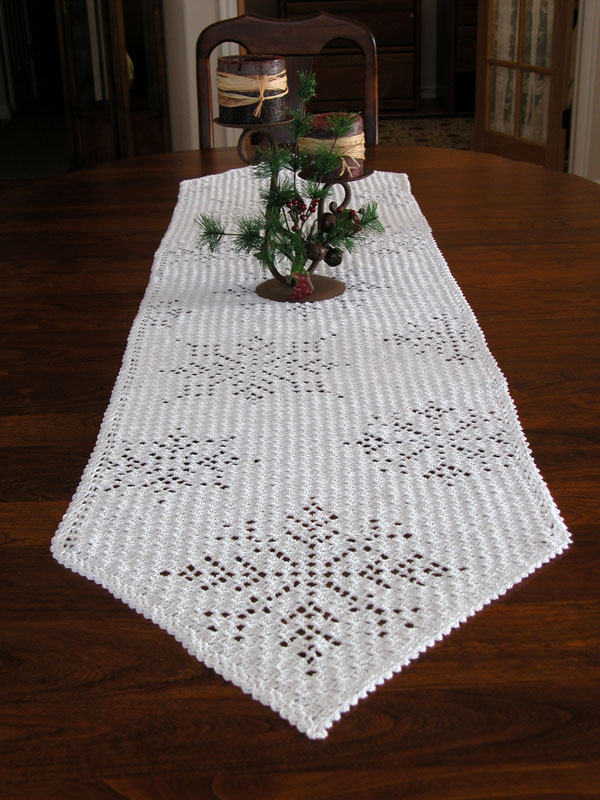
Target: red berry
(302, 288)
(294, 228)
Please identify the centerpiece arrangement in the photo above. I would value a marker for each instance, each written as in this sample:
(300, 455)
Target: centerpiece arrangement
(296, 227)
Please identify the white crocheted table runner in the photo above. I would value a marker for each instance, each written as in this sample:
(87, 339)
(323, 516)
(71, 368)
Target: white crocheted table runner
(307, 496)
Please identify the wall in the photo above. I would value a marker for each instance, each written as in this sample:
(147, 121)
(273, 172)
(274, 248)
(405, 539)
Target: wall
(184, 20)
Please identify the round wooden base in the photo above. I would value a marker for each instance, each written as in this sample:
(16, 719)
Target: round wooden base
(325, 289)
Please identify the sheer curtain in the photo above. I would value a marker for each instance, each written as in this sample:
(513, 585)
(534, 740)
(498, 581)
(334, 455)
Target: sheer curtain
(533, 93)
(535, 86)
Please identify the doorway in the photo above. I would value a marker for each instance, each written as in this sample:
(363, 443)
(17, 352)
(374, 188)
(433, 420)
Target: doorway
(33, 131)
(525, 79)
(444, 116)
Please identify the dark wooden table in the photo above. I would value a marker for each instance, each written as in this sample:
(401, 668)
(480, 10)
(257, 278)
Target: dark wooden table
(97, 702)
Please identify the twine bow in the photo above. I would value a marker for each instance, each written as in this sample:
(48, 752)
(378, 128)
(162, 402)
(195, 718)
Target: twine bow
(229, 87)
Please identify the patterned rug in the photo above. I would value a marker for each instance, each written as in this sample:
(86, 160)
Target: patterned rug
(453, 132)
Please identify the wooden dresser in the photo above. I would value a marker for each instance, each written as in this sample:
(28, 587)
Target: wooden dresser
(396, 27)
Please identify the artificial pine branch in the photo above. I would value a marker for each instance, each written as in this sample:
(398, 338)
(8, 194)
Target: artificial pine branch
(300, 126)
(293, 248)
(369, 220)
(341, 124)
(273, 160)
(341, 235)
(324, 160)
(287, 228)
(307, 86)
(315, 190)
(211, 231)
(278, 194)
(250, 234)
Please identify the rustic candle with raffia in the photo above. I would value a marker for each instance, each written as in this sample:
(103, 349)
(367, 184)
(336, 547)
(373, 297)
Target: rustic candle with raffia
(350, 147)
(251, 89)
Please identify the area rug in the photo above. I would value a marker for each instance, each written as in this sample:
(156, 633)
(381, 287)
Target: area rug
(456, 133)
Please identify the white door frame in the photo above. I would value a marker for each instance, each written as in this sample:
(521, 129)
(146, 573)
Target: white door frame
(584, 150)
(224, 137)
(184, 20)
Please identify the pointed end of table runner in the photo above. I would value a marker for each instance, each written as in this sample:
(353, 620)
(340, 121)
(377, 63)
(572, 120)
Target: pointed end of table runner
(319, 727)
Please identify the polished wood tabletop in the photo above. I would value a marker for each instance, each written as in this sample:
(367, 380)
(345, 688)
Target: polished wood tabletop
(98, 702)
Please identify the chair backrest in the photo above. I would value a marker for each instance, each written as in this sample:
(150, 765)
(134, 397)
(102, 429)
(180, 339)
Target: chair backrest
(298, 40)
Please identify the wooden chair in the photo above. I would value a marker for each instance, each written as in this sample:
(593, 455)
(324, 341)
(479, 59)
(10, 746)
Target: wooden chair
(298, 40)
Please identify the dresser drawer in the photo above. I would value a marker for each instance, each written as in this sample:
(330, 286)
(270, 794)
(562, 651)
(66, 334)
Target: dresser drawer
(393, 24)
(339, 80)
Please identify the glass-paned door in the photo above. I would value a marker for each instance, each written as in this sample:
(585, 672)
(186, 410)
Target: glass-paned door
(114, 78)
(522, 81)
(84, 28)
(145, 75)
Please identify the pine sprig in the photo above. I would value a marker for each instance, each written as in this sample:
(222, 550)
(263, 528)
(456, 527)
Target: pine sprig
(271, 162)
(300, 126)
(301, 122)
(293, 248)
(307, 86)
(352, 228)
(369, 220)
(278, 194)
(211, 231)
(341, 124)
(250, 234)
(315, 190)
(325, 160)
(342, 235)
